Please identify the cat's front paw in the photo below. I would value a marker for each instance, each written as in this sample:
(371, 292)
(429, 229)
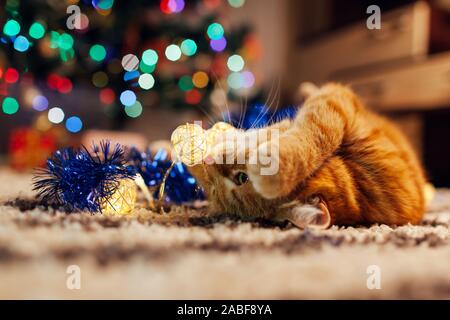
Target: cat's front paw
(263, 169)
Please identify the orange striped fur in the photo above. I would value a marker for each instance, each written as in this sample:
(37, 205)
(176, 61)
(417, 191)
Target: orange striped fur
(358, 164)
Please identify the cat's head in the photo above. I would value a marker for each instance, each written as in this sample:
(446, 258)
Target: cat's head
(226, 179)
(229, 190)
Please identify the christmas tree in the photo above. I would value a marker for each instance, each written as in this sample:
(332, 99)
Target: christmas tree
(133, 54)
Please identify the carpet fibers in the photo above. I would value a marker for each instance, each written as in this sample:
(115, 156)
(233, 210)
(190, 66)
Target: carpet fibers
(187, 255)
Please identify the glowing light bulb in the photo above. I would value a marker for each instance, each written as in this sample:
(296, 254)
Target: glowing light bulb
(235, 63)
(122, 201)
(189, 143)
(146, 81)
(55, 115)
(173, 52)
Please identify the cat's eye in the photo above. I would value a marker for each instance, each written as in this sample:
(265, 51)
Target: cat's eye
(240, 178)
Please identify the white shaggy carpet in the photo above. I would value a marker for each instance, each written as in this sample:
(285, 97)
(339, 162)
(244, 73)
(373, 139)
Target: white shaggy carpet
(185, 255)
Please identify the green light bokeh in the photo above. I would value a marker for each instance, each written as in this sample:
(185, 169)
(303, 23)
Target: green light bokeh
(134, 110)
(10, 105)
(37, 30)
(215, 31)
(188, 47)
(185, 83)
(11, 28)
(65, 41)
(146, 68)
(150, 57)
(97, 52)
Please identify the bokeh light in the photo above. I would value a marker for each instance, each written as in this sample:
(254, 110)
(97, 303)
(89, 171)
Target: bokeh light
(135, 110)
(173, 52)
(56, 115)
(127, 98)
(74, 124)
(40, 103)
(212, 4)
(146, 81)
(218, 45)
(11, 75)
(200, 79)
(64, 85)
(130, 75)
(171, 6)
(248, 79)
(84, 22)
(97, 52)
(10, 105)
(65, 41)
(188, 47)
(215, 31)
(235, 63)
(150, 57)
(11, 28)
(145, 68)
(21, 44)
(235, 80)
(103, 4)
(37, 30)
(53, 80)
(107, 96)
(100, 79)
(236, 3)
(185, 83)
(193, 96)
(130, 62)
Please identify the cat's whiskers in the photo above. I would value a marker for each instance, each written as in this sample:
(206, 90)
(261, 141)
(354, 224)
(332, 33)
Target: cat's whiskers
(268, 104)
(277, 104)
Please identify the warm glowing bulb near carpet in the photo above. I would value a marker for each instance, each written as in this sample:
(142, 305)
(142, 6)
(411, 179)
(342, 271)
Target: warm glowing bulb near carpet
(122, 202)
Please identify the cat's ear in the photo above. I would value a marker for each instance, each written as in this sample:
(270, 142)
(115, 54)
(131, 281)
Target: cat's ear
(312, 216)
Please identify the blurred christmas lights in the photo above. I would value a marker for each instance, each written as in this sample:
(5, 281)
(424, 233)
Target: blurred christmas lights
(97, 52)
(146, 81)
(127, 98)
(74, 124)
(134, 110)
(173, 52)
(188, 47)
(10, 105)
(37, 30)
(130, 62)
(56, 115)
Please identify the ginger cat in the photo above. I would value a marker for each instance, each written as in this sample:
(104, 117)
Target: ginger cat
(338, 164)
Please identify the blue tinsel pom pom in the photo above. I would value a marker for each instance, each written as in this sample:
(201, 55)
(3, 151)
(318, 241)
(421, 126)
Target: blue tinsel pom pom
(82, 179)
(180, 185)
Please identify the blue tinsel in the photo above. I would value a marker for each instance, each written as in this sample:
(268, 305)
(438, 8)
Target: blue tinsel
(83, 179)
(180, 185)
(258, 116)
